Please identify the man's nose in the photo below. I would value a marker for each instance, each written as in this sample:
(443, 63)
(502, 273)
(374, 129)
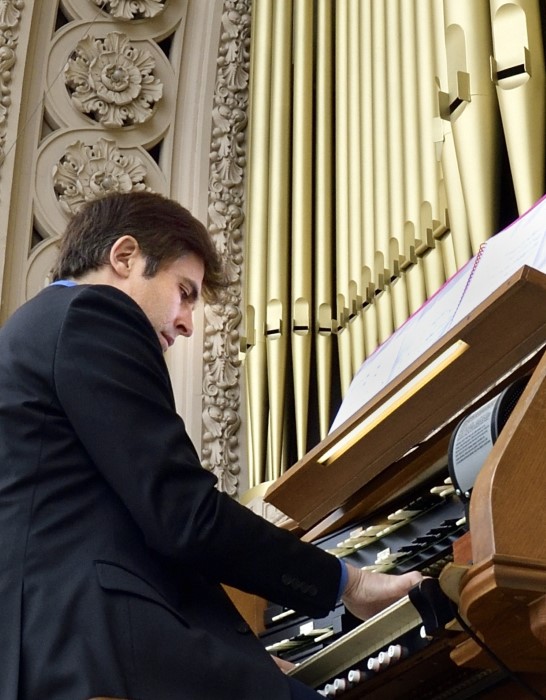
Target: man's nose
(184, 321)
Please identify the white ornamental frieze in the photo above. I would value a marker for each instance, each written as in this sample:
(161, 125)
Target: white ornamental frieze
(113, 81)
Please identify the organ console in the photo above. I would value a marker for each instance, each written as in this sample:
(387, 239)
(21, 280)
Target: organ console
(377, 492)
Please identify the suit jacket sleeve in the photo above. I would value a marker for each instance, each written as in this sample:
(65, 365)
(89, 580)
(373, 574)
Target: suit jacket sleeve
(113, 383)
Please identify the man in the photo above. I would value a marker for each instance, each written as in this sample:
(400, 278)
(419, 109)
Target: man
(113, 538)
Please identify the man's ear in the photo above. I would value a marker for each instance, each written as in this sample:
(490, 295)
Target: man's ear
(123, 254)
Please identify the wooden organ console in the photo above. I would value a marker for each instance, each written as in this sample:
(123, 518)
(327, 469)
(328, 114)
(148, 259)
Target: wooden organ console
(376, 491)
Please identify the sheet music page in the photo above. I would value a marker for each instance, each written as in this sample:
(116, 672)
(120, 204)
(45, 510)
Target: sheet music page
(405, 345)
(521, 243)
(432, 320)
(371, 377)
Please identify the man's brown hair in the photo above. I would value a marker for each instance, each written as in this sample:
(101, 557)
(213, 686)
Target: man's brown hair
(164, 229)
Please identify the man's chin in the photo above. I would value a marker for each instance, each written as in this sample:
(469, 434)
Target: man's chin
(164, 342)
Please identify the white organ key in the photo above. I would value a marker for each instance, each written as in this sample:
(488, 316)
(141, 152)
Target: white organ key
(403, 514)
(363, 641)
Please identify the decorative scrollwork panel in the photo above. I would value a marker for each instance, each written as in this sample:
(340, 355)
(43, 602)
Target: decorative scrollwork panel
(221, 382)
(75, 166)
(97, 77)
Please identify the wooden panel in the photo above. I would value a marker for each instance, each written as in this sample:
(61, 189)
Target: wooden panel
(502, 594)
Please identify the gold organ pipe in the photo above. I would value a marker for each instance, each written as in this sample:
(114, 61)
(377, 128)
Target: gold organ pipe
(446, 152)
(371, 337)
(397, 287)
(369, 315)
(380, 138)
(412, 179)
(473, 111)
(367, 181)
(356, 326)
(425, 104)
(366, 127)
(383, 310)
(458, 221)
(277, 314)
(432, 261)
(258, 185)
(413, 275)
(381, 189)
(386, 24)
(412, 175)
(430, 257)
(302, 207)
(433, 271)
(445, 238)
(395, 134)
(324, 184)
(399, 301)
(342, 194)
(518, 73)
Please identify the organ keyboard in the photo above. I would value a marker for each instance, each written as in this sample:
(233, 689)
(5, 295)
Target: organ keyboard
(383, 502)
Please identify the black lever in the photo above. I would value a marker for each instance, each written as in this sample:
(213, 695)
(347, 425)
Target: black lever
(432, 604)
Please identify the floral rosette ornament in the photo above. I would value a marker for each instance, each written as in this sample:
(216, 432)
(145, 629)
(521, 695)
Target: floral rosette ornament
(85, 173)
(112, 81)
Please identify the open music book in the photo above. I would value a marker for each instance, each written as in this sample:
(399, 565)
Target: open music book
(521, 243)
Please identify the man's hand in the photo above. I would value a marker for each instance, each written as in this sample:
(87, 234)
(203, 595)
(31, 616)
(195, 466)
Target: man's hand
(367, 593)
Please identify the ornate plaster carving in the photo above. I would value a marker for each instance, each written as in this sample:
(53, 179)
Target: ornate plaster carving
(221, 386)
(113, 81)
(145, 19)
(73, 165)
(131, 9)
(10, 13)
(10, 17)
(88, 172)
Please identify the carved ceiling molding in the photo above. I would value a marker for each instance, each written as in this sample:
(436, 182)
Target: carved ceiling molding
(10, 18)
(221, 383)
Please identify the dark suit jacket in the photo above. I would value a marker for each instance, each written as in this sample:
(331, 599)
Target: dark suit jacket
(113, 538)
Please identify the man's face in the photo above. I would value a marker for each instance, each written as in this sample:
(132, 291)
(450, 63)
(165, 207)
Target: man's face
(168, 298)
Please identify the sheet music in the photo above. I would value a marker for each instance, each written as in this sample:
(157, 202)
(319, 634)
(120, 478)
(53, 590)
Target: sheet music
(521, 243)
(405, 345)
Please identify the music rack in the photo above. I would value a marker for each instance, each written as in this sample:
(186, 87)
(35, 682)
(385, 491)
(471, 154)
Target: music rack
(503, 332)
